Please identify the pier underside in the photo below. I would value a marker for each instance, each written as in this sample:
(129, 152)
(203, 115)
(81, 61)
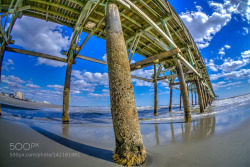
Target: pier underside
(150, 28)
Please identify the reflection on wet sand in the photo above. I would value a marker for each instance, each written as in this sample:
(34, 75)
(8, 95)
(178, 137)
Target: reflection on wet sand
(157, 135)
(65, 130)
(198, 130)
(188, 132)
(172, 132)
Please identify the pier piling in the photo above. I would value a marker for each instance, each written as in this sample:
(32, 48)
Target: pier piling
(184, 92)
(195, 95)
(180, 100)
(155, 92)
(66, 92)
(192, 98)
(129, 145)
(1, 63)
(171, 98)
(199, 92)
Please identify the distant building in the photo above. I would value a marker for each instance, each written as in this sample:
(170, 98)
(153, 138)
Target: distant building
(46, 102)
(19, 95)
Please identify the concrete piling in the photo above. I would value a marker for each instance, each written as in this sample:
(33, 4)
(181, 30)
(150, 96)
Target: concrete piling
(66, 92)
(129, 145)
(155, 92)
(2, 50)
(171, 98)
(199, 92)
(184, 92)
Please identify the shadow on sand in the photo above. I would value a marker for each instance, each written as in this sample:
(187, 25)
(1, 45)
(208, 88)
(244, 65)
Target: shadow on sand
(83, 148)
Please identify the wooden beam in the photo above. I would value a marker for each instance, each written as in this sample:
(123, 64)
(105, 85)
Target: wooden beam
(91, 59)
(151, 22)
(153, 59)
(58, 5)
(31, 53)
(18, 10)
(178, 83)
(167, 77)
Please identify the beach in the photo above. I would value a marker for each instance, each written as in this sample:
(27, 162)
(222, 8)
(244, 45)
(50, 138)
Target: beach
(219, 137)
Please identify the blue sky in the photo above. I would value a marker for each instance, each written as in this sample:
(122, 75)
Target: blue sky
(220, 29)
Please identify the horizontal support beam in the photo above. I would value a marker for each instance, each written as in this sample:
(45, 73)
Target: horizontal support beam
(18, 10)
(169, 69)
(140, 78)
(177, 83)
(105, 63)
(153, 59)
(31, 53)
(91, 59)
(167, 77)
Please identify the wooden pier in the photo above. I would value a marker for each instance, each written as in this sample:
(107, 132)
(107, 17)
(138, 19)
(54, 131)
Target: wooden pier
(150, 28)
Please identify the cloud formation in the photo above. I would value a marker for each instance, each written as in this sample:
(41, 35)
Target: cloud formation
(203, 27)
(41, 36)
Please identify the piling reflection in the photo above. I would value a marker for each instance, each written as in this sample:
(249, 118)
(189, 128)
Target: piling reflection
(186, 132)
(198, 130)
(65, 130)
(157, 135)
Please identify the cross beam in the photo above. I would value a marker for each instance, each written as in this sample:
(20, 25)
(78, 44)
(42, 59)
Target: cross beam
(153, 59)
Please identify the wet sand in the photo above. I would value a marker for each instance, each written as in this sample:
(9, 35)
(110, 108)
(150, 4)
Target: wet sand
(227, 149)
(219, 137)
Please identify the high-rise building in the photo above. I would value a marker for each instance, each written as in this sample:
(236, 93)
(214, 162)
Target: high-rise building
(19, 95)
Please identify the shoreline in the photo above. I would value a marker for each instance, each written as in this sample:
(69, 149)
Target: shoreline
(219, 137)
(22, 104)
(224, 149)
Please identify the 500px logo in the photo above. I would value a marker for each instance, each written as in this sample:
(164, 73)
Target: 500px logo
(23, 146)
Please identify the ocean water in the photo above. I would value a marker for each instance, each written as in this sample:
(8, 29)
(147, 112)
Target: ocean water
(93, 125)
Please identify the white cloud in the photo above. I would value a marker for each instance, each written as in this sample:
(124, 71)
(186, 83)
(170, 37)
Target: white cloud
(12, 81)
(98, 95)
(246, 30)
(223, 84)
(56, 87)
(245, 54)
(32, 86)
(8, 65)
(222, 50)
(104, 57)
(212, 66)
(142, 83)
(88, 81)
(41, 36)
(144, 74)
(240, 74)
(105, 90)
(203, 27)
(227, 46)
(231, 65)
(240, 7)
